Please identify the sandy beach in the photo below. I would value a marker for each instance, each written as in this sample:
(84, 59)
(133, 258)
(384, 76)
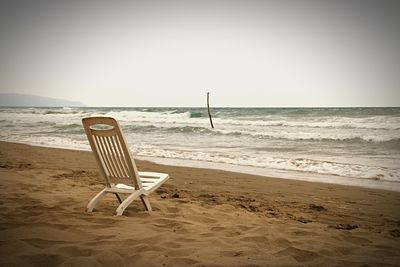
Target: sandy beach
(201, 217)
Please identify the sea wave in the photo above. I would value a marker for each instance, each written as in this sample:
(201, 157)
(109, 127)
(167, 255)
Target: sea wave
(173, 123)
(390, 123)
(199, 117)
(377, 136)
(195, 114)
(319, 136)
(196, 117)
(289, 164)
(139, 116)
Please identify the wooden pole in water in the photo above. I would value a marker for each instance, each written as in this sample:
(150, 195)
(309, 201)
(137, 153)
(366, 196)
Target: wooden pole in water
(208, 107)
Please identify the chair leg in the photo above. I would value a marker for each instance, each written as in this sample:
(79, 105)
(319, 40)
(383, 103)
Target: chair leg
(121, 208)
(118, 197)
(96, 199)
(146, 203)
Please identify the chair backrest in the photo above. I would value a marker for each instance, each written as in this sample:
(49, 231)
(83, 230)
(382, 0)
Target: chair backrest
(111, 151)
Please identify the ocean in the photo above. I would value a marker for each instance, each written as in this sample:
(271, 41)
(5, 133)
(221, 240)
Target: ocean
(351, 146)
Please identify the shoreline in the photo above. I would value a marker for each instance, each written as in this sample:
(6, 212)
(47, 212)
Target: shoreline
(201, 217)
(280, 174)
(252, 170)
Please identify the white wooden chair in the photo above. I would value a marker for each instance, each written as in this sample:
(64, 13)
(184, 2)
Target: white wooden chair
(117, 165)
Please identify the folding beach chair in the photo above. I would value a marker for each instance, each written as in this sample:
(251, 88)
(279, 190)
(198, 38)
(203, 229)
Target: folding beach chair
(117, 165)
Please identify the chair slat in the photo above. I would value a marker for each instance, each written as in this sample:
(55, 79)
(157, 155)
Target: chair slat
(114, 157)
(123, 157)
(119, 156)
(101, 155)
(105, 155)
(110, 156)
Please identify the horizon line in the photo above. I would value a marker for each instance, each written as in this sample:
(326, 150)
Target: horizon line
(260, 107)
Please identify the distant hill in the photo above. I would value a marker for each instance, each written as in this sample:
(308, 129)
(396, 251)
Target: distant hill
(20, 100)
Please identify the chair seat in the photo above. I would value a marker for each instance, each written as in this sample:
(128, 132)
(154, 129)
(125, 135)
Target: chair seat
(150, 181)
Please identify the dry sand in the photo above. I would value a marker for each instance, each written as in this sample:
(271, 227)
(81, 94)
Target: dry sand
(201, 218)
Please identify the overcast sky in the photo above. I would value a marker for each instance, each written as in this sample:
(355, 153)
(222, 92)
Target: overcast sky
(170, 53)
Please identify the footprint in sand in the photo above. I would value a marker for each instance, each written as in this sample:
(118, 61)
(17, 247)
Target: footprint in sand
(244, 228)
(356, 240)
(299, 255)
(217, 228)
(167, 223)
(74, 251)
(282, 242)
(232, 253)
(173, 210)
(109, 258)
(77, 261)
(170, 244)
(183, 262)
(259, 239)
(45, 260)
(42, 243)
